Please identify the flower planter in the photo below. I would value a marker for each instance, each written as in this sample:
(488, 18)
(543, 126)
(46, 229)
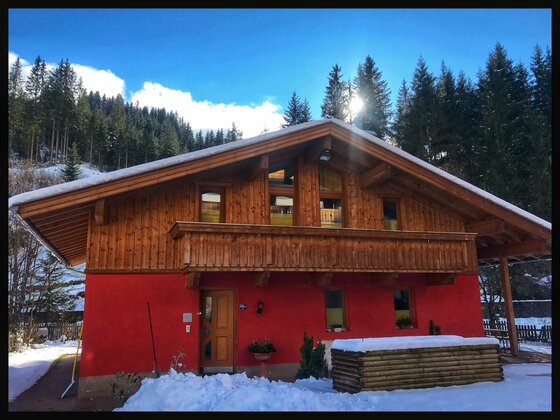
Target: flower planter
(261, 357)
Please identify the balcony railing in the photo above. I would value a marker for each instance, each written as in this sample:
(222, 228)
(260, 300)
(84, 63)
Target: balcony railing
(237, 247)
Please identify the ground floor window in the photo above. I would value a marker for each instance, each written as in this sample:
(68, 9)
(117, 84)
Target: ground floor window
(403, 308)
(334, 307)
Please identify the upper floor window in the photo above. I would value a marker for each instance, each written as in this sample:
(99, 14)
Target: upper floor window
(211, 206)
(390, 219)
(281, 190)
(331, 197)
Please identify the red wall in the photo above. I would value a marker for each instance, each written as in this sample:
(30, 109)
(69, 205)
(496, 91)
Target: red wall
(117, 329)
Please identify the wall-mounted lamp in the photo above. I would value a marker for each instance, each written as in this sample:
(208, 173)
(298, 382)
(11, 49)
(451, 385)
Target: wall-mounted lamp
(325, 155)
(259, 307)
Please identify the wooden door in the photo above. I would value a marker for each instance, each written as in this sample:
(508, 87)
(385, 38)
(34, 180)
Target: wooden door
(216, 331)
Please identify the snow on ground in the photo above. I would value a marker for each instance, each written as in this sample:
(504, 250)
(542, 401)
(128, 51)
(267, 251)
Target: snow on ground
(25, 368)
(223, 392)
(538, 347)
(536, 321)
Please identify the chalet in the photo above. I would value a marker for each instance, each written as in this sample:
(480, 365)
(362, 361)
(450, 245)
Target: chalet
(319, 228)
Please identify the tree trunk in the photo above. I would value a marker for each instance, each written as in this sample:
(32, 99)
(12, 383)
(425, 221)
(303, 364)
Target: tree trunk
(52, 142)
(91, 148)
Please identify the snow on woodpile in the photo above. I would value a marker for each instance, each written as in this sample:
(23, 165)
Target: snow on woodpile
(409, 342)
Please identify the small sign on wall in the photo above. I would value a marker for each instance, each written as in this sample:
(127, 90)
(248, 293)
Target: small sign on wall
(187, 317)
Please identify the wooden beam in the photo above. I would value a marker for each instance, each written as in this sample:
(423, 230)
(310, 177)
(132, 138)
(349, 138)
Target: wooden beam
(321, 278)
(192, 279)
(438, 279)
(257, 167)
(384, 279)
(314, 152)
(508, 306)
(486, 227)
(260, 278)
(100, 212)
(375, 176)
(530, 246)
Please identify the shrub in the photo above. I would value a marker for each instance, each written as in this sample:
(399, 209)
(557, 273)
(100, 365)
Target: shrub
(312, 359)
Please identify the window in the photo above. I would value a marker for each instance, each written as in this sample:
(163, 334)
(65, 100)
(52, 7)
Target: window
(331, 198)
(390, 215)
(334, 307)
(211, 206)
(281, 210)
(403, 312)
(281, 190)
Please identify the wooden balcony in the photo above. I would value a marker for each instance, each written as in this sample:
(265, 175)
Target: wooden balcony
(235, 247)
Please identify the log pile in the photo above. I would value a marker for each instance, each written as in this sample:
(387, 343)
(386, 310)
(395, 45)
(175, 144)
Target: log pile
(415, 367)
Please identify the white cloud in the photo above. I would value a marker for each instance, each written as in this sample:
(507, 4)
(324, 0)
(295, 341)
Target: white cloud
(103, 81)
(251, 120)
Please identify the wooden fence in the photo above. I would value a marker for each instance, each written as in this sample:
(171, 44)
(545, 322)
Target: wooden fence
(524, 332)
(55, 330)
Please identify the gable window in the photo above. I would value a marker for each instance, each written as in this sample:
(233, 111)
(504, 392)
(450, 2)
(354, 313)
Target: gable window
(281, 191)
(211, 206)
(390, 219)
(403, 308)
(334, 309)
(331, 196)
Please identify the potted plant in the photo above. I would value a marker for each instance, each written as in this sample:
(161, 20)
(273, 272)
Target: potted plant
(262, 350)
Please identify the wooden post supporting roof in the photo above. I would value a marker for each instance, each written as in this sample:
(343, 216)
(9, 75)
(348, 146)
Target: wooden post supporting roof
(508, 305)
(100, 212)
(193, 279)
(375, 176)
(260, 278)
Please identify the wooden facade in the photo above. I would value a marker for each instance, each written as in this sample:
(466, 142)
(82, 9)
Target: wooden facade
(136, 235)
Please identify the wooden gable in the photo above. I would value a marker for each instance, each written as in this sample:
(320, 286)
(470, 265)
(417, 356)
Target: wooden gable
(124, 223)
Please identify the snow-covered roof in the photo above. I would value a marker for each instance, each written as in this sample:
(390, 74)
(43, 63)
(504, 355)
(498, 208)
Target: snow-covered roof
(42, 193)
(152, 166)
(409, 342)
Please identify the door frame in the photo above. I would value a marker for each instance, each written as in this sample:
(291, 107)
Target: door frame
(200, 330)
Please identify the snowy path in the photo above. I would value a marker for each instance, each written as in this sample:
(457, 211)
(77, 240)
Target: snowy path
(25, 368)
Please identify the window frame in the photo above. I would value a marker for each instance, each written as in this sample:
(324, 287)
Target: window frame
(344, 308)
(411, 308)
(333, 196)
(397, 201)
(203, 189)
(283, 191)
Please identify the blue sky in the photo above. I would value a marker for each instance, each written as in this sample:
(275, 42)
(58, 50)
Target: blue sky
(212, 59)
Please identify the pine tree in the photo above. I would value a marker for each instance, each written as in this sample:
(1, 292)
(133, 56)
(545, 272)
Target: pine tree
(446, 144)
(312, 361)
(233, 134)
(400, 125)
(71, 170)
(34, 90)
(199, 141)
(16, 117)
(468, 128)
(297, 112)
(189, 138)
(54, 297)
(168, 142)
(375, 96)
(335, 102)
(292, 111)
(305, 114)
(422, 115)
(501, 124)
